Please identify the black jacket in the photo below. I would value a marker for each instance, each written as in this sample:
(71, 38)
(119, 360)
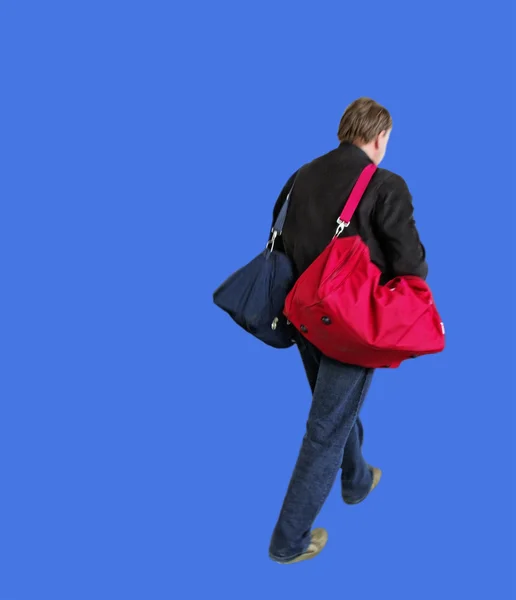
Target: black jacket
(384, 218)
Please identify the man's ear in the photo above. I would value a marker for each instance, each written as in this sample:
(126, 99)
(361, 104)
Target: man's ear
(379, 139)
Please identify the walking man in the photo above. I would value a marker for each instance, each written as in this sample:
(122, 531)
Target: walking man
(385, 222)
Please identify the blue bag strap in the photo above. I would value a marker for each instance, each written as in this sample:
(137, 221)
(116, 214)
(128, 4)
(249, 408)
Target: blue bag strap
(277, 228)
(280, 221)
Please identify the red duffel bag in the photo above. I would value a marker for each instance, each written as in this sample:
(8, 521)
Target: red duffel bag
(340, 307)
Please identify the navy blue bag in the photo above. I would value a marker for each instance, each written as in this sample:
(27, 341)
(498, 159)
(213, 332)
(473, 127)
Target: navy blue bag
(254, 296)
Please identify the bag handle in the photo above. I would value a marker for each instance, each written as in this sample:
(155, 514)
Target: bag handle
(354, 198)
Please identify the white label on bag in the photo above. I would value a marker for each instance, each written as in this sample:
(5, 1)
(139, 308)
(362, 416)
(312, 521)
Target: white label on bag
(442, 327)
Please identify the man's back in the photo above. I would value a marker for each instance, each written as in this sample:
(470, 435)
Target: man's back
(384, 218)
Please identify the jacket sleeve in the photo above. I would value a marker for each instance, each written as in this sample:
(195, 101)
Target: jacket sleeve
(396, 230)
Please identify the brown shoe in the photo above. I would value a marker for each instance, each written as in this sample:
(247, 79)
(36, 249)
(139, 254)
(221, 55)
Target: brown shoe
(317, 543)
(377, 475)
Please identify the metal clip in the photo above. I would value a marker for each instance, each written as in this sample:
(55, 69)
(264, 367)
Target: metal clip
(342, 225)
(270, 243)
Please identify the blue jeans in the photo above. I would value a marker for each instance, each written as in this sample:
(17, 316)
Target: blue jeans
(333, 441)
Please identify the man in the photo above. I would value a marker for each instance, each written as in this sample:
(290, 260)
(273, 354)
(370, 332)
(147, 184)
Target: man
(385, 222)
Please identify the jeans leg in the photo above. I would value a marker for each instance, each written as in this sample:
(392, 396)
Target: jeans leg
(356, 477)
(311, 358)
(337, 398)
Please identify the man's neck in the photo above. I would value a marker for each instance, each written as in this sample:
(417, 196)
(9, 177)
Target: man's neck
(369, 150)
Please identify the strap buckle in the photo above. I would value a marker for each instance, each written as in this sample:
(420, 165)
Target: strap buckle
(341, 226)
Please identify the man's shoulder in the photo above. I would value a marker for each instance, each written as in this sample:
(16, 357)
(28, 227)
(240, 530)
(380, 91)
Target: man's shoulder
(319, 161)
(388, 181)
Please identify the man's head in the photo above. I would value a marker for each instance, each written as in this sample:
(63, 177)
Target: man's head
(367, 125)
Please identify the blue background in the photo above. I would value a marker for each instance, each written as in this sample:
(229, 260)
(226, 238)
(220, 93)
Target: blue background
(145, 441)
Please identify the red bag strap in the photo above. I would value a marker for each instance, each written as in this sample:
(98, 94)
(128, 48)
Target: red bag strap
(354, 198)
